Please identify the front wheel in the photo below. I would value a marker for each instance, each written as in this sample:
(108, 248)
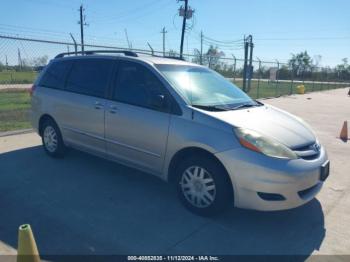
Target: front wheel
(52, 139)
(203, 186)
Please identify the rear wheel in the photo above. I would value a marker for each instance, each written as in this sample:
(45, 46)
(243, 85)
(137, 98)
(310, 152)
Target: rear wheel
(52, 139)
(203, 186)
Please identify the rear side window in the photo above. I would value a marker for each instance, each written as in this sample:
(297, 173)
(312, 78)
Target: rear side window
(90, 77)
(55, 75)
(136, 85)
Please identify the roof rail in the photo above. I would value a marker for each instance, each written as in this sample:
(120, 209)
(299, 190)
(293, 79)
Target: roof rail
(174, 57)
(125, 52)
(161, 56)
(91, 52)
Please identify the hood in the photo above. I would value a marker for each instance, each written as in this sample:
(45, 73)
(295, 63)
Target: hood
(272, 122)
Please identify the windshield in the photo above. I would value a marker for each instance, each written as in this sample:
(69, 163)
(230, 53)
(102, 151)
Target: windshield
(203, 87)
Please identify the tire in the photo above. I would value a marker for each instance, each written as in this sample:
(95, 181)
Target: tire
(203, 186)
(52, 139)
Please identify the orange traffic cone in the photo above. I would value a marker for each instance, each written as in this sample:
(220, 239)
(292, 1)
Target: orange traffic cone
(27, 249)
(344, 132)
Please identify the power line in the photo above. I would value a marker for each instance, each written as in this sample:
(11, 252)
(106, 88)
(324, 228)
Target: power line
(66, 39)
(229, 45)
(238, 46)
(139, 12)
(226, 48)
(126, 12)
(28, 35)
(223, 42)
(56, 4)
(15, 27)
(303, 38)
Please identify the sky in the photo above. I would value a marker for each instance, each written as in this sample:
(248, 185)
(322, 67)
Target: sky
(279, 27)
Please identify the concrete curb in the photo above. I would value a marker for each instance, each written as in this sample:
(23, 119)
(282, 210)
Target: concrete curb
(16, 132)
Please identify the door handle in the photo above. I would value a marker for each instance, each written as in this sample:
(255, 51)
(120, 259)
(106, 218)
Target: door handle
(113, 109)
(98, 105)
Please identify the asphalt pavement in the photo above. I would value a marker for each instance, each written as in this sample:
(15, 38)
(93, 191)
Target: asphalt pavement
(86, 205)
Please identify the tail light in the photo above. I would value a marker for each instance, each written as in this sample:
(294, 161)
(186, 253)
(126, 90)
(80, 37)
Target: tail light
(32, 89)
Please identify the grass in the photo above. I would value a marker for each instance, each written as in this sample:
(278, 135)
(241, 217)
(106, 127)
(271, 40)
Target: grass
(14, 109)
(14, 77)
(15, 103)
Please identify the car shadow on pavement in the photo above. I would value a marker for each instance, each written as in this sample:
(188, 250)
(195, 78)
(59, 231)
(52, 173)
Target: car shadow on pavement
(86, 205)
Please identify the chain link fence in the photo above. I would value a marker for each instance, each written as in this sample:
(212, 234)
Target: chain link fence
(274, 79)
(21, 59)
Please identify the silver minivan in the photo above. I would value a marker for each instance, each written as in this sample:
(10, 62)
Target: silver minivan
(183, 123)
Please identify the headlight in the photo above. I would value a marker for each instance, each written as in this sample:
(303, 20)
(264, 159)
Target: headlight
(254, 141)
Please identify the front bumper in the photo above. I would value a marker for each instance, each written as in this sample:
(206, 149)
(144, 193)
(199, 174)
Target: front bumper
(297, 181)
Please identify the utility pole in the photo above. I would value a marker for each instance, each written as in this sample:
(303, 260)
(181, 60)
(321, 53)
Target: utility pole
(277, 75)
(247, 69)
(201, 58)
(19, 58)
(246, 45)
(6, 62)
(183, 28)
(164, 32)
(82, 24)
(187, 13)
(81, 28)
(259, 77)
(234, 68)
(251, 46)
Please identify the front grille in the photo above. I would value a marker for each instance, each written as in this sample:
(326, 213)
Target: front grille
(308, 152)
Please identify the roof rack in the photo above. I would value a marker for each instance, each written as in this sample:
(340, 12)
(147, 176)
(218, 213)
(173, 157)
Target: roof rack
(91, 52)
(125, 52)
(161, 56)
(174, 57)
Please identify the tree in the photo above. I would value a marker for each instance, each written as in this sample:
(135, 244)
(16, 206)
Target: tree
(36, 61)
(344, 66)
(343, 70)
(173, 53)
(197, 56)
(300, 62)
(284, 72)
(317, 60)
(213, 56)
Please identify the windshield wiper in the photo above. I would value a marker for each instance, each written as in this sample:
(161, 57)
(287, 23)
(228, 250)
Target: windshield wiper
(212, 108)
(258, 102)
(246, 106)
(227, 108)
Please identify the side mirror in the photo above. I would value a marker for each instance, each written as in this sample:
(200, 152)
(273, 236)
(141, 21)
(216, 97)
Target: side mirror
(158, 101)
